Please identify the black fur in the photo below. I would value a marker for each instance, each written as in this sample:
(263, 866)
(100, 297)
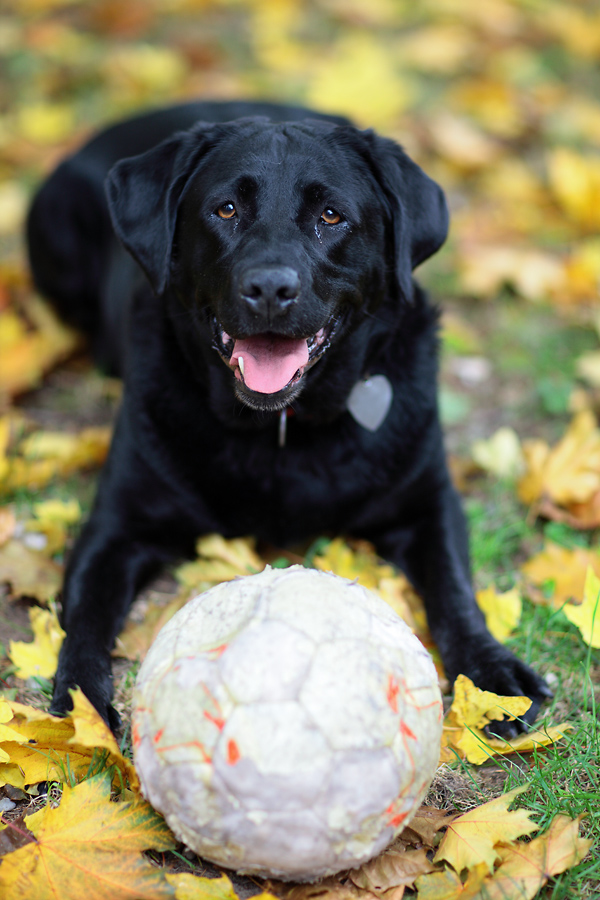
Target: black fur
(195, 449)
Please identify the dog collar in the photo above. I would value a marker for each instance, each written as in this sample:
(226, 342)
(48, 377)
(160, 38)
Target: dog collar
(368, 403)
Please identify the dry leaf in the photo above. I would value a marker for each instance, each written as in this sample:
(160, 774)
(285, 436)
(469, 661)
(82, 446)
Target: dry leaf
(192, 887)
(526, 867)
(471, 839)
(473, 709)
(586, 616)
(50, 748)
(40, 656)
(565, 568)
(501, 454)
(570, 472)
(502, 611)
(89, 847)
(446, 885)
(394, 867)
(29, 573)
(425, 825)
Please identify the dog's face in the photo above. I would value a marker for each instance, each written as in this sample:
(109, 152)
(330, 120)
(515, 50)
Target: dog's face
(279, 239)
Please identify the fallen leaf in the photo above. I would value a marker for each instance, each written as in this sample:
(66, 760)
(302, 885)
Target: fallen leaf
(502, 611)
(564, 568)
(218, 560)
(476, 708)
(29, 573)
(586, 616)
(472, 709)
(526, 867)
(425, 825)
(471, 839)
(192, 887)
(42, 747)
(501, 454)
(393, 868)
(569, 472)
(40, 656)
(446, 885)
(575, 182)
(89, 847)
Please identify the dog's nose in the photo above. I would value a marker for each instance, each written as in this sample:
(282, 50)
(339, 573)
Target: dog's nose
(269, 291)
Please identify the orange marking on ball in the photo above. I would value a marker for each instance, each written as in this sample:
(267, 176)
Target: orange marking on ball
(392, 693)
(216, 720)
(404, 728)
(158, 735)
(135, 735)
(233, 752)
(397, 820)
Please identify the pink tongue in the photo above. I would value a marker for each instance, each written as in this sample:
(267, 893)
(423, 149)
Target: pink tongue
(270, 360)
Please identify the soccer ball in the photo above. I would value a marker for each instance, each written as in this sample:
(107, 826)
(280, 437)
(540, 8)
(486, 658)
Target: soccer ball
(287, 724)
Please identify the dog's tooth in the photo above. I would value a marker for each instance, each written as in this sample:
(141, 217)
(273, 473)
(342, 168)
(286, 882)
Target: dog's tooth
(241, 364)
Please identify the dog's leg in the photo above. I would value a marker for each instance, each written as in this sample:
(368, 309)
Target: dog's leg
(135, 529)
(434, 554)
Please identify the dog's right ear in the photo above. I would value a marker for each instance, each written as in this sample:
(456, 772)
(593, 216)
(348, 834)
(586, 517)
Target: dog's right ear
(143, 195)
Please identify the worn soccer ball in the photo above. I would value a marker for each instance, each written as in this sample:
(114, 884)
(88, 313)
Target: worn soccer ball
(287, 724)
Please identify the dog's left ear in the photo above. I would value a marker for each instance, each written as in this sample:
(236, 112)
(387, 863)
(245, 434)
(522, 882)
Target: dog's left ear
(418, 211)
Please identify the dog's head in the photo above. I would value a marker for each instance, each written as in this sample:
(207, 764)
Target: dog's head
(279, 238)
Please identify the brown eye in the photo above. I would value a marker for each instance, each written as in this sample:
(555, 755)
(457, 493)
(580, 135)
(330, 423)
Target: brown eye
(226, 211)
(331, 217)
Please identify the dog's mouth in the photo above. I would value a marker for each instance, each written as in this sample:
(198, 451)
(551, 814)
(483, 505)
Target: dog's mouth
(268, 366)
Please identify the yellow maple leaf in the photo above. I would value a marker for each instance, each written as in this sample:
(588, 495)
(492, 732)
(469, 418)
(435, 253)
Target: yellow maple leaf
(586, 616)
(476, 708)
(40, 656)
(570, 471)
(472, 709)
(89, 847)
(526, 867)
(564, 567)
(471, 839)
(502, 611)
(43, 747)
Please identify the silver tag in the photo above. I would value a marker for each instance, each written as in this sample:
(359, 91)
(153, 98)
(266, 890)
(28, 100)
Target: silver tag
(370, 400)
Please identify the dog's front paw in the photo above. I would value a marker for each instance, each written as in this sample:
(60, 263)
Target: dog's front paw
(492, 667)
(93, 676)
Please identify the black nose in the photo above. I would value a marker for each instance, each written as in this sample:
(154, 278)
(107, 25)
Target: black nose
(269, 291)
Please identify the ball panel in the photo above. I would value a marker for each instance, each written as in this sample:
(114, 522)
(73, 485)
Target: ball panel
(345, 693)
(268, 661)
(309, 601)
(362, 784)
(271, 756)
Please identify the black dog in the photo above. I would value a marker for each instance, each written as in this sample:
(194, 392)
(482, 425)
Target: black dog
(268, 281)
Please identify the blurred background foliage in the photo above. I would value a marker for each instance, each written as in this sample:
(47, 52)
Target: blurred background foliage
(497, 99)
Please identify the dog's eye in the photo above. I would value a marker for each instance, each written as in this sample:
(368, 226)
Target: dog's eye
(226, 211)
(331, 216)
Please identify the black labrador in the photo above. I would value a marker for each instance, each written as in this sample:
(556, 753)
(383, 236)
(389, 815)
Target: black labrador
(248, 269)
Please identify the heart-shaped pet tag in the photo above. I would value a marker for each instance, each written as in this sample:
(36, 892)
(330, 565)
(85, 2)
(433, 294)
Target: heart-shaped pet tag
(370, 400)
